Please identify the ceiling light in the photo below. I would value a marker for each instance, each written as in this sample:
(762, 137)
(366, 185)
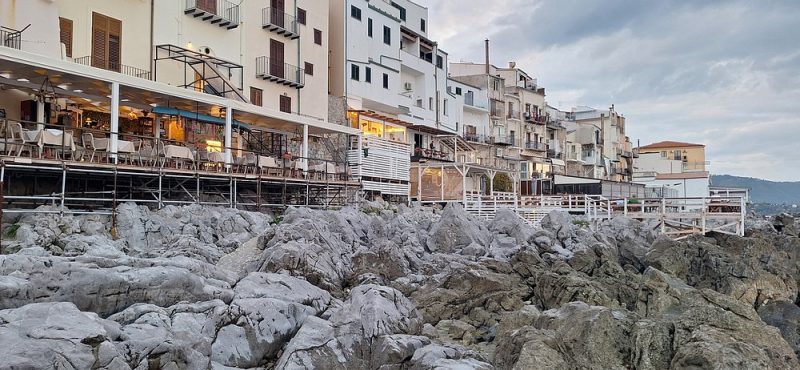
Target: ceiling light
(62, 86)
(5, 75)
(153, 105)
(23, 80)
(77, 91)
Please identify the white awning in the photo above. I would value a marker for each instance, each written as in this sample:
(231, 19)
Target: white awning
(562, 180)
(558, 162)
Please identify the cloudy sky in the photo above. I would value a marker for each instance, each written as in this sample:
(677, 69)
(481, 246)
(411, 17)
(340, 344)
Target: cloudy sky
(722, 73)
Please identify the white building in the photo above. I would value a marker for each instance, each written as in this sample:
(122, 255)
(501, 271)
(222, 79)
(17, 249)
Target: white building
(392, 81)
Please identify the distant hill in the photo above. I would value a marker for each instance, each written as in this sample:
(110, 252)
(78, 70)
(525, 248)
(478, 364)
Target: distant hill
(762, 191)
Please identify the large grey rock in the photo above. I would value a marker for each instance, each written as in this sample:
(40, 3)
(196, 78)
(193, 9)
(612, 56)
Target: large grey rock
(786, 317)
(106, 286)
(57, 336)
(456, 230)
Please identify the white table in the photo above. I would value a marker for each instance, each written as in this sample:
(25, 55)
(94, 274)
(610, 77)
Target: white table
(56, 138)
(123, 146)
(178, 152)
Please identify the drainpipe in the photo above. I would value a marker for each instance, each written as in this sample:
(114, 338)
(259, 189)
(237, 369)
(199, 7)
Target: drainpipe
(436, 81)
(300, 74)
(152, 27)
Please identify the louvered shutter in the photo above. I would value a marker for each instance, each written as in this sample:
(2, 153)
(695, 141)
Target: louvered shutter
(99, 40)
(65, 26)
(114, 44)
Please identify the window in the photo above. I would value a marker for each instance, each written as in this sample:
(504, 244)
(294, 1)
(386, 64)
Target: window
(106, 42)
(458, 91)
(444, 107)
(317, 37)
(367, 74)
(65, 25)
(422, 25)
(309, 69)
(439, 61)
(286, 104)
(301, 16)
(354, 72)
(430, 103)
(495, 84)
(369, 27)
(355, 12)
(256, 96)
(387, 35)
(401, 9)
(385, 81)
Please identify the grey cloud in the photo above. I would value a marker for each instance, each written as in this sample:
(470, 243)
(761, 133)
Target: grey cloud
(724, 73)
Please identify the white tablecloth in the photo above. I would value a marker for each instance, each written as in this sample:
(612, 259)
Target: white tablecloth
(216, 157)
(123, 146)
(176, 151)
(55, 138)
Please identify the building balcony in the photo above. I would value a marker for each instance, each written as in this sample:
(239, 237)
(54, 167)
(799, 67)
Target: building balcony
(501, 140)
(513, 114)
(532, 118)
(473, 138)
(537, 146)
(278, 21)
(470, 102)
(554, 125)
(277, 71)
(111, 66)
(551, 153)
(10, 38)
(223, 13)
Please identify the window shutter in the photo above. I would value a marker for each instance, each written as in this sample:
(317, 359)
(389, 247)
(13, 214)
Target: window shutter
(65, 26)
(99, 40)
(114, 44)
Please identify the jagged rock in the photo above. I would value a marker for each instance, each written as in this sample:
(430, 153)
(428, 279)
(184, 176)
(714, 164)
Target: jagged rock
(282, 287)
(786, 317)
(785, 223)
(455, 230)
(350, 336)
(103, 286)
(446, 358)
(57, 336)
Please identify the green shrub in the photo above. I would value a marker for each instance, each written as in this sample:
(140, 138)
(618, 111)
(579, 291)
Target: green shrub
(11, 231)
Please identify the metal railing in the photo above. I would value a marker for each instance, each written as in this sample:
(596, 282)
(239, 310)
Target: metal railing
(533, 145)
(277, 70)
(475, 138)
(10, 38)
(514, 114)
(111, 66)
(226, 12)
(277, 19)
(44, 141)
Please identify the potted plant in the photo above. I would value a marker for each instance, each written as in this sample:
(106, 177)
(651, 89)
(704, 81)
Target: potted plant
(287, 156)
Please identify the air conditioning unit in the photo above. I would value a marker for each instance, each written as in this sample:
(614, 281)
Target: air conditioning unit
(498, 152)
(527, 115)
(407, 86)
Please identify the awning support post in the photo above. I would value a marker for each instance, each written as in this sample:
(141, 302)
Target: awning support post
(228, 134)
(114, 121)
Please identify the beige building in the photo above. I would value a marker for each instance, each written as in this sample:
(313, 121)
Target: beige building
(692, 157)
(604, 143)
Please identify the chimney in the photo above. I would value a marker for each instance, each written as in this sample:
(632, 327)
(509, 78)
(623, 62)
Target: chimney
(488, 71)
(512, 65)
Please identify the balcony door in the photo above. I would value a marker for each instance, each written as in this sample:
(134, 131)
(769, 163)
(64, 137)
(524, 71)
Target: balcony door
(278, 8)
(209, 6)
(106, 42)
(276, 59)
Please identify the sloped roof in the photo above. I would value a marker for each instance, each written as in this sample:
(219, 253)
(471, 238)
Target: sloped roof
(670, 144)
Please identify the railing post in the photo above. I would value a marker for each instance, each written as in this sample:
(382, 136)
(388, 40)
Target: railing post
(228, 135)
(625, 207)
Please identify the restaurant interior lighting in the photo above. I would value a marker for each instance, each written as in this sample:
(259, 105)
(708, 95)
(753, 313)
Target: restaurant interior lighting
(23, 80)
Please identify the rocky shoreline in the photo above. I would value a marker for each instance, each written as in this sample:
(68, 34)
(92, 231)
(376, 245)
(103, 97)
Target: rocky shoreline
(391, 287)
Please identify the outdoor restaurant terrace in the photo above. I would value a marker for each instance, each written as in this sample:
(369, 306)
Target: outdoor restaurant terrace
(90, 129)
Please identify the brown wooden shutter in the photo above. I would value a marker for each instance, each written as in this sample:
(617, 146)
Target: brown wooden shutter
(65, 26)
(207, 5)
(99, 40)
(286, 104)
(114, 44)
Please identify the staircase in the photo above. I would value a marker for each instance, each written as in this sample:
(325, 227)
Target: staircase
(215, 83)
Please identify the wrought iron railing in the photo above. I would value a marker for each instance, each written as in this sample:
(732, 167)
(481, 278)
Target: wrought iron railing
(534, 145)
(278, 19)
(10, 38)
(112, 66)
(226, 11)
(278, 70)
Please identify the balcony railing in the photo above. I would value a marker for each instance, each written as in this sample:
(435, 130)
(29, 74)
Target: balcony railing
(278, 21)
(474, 138)
(223, 13)
(551, 153)
(275, 70)
(533, 145)
(513, 114)
(10, 38)
(501, 140)
(111, 66)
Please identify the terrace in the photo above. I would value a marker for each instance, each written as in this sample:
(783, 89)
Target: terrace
(152, 143)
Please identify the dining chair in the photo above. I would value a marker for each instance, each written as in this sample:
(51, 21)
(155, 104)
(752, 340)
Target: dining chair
(18, 136)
